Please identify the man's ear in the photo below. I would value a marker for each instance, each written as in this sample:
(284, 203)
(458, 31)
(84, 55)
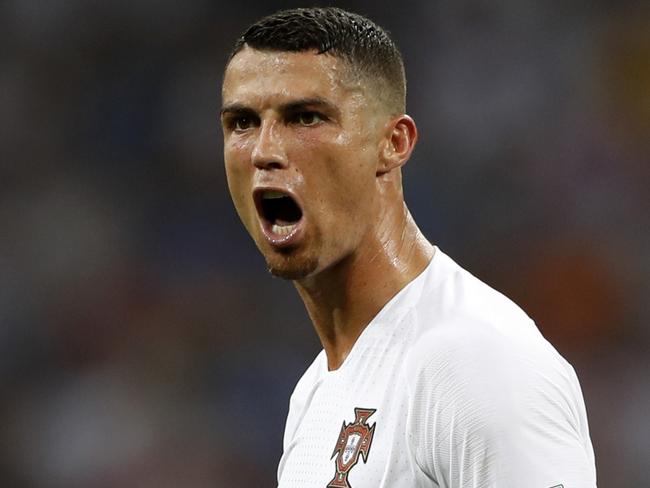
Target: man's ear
(400, 137)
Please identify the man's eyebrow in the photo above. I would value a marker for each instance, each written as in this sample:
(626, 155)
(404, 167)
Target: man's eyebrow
(235, 108)
(304, 103)
(292, 106)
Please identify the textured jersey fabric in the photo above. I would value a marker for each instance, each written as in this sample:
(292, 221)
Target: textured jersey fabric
(451, 385)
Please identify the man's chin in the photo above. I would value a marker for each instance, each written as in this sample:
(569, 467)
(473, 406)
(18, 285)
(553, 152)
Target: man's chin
(292, 268)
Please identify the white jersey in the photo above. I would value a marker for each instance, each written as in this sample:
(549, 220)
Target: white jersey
(451, 385)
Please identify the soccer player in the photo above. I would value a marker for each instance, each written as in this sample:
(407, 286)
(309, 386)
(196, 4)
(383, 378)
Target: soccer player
(428, 377)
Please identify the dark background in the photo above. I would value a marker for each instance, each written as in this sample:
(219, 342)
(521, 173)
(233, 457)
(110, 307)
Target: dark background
(142, 342)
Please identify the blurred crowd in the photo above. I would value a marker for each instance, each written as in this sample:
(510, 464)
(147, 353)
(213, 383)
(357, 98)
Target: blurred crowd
(142, 342)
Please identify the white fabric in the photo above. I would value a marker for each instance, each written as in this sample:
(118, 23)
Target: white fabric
(467, 393)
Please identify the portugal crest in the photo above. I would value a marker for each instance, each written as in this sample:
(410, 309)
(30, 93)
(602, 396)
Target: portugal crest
(354, 440)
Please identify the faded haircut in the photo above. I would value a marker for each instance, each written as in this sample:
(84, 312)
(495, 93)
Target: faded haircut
(367, 48)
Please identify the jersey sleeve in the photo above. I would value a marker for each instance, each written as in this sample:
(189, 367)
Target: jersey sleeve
(488, 413)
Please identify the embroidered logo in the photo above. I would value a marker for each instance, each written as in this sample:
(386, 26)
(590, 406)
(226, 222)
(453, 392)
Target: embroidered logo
(354, 440)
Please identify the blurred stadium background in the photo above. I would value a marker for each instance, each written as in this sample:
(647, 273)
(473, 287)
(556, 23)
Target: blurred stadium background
(143, 344)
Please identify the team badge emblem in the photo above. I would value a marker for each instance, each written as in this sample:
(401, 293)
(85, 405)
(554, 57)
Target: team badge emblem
(354, 440)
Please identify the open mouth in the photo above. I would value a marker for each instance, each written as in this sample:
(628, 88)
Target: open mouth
(279, 211)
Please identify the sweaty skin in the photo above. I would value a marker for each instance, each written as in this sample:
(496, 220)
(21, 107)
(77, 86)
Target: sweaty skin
(296, 123)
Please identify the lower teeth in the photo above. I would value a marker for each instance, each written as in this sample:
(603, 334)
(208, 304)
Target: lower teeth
(282, 230)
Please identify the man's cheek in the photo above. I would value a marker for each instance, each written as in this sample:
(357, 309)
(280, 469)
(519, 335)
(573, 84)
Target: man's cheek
(238, 193)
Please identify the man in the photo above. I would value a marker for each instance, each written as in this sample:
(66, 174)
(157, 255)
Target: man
(428, 377)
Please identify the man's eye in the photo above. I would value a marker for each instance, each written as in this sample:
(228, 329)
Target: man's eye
(308, 118)
(242, 123)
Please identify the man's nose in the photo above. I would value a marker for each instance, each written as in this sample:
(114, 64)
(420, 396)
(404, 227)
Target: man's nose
(268, 152)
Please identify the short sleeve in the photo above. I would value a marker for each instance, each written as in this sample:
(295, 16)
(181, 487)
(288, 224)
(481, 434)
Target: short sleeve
(490, 413)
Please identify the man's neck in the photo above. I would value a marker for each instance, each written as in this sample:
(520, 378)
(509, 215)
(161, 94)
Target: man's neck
(343, 300)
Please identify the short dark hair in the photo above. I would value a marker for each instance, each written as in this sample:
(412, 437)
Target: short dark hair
(366, 47)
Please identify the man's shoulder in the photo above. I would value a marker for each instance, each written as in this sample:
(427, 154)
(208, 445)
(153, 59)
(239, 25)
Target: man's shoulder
(458, 321)
(483, 382)
(487, 371)
(453, 294)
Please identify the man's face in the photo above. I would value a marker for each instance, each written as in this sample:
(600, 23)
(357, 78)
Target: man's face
(301, 146)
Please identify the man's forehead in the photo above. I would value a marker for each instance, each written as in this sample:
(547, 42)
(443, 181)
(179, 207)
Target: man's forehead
(266, 71)
(283, 61)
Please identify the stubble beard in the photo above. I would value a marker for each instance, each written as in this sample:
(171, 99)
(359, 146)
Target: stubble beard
(289, 267)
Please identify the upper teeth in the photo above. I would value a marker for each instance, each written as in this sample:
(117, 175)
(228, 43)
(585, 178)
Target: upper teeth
(272, 194)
